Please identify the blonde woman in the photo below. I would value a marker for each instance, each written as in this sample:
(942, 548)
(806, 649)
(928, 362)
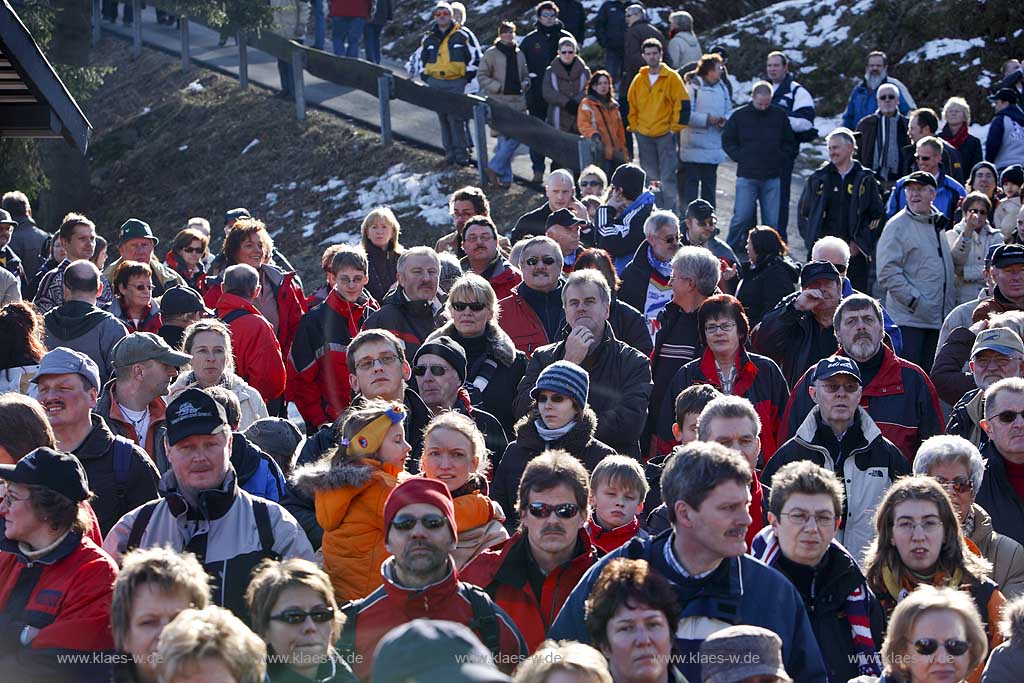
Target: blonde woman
(380, 232)
(956, 115)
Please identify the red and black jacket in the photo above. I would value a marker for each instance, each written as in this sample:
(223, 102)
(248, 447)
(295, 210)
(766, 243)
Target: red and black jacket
(317, 365)
(758, 379)
(900, 399)
(607, 540)
(503, 571)
(62, 602)
(410, 321)
(197, 280)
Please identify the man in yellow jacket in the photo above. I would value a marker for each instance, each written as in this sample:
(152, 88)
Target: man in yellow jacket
(659, 107)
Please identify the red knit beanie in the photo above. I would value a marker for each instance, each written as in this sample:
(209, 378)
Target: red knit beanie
(420, 490)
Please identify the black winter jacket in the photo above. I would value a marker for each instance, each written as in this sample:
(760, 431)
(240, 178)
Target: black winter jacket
(965, 417)
(610, 26)
(764, 285)
(866, 209)
(114, 500)
(675, 344)
(620, 388)
(630, 326)
(636, 277)
(533, 223)
(579, 442)
(760, 142)
(785, 335)
(997, 495)
(410, 321)
(540, 47)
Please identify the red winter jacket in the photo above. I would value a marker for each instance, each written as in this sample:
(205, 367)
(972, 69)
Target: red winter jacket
(257, 353)
(503, 572)
(392, 605)
(291, 302)
(522, 324)
(317, 365)
(502, 275)
(150, 322)
(66, 595)
(607, 540)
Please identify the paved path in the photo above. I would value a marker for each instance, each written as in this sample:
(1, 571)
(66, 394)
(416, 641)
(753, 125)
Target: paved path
(407, 121)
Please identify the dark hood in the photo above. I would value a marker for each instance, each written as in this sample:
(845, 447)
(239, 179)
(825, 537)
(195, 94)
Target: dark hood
(73, 319)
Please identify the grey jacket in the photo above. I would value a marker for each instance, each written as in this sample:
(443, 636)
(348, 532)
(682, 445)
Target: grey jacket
(915, 269)
(700, 143)
(10, 288)
(85, 328)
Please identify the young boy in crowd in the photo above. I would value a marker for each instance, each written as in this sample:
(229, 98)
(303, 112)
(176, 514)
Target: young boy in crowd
(1005, 215)
(689, 404)
(617, 491)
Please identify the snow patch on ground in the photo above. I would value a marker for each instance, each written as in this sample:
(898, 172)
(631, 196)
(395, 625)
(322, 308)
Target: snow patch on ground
(331, 184)
(309, 229)
(255, 141)
(942, 47)
(183, 148)
(271, 198)
(195, 87)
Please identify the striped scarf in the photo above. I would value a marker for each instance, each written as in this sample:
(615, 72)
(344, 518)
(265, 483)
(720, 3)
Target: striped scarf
(765, 547)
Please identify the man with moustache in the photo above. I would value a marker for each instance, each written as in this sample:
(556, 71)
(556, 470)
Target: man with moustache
(480, 243)
(839, 435)
(620, 376)
(706, 488)
(421, 581)
(415, 307)
(896, 394)
(862, 99)
(551, 549)
(532, 316)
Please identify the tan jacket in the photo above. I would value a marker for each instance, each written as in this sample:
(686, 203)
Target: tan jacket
(491, 77)
(1005, 554)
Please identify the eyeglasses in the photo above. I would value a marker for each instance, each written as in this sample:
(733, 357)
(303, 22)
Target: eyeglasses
(547, 261)
(319, 615)
(959, 485)
(1008, 417)
(887, 97)
(554, 398)
(474, 306)
(5, 495)
(385, 361)
(442, 14)
(823, 520)
(907, 526)
(978, 212)
(841, 269)
(548, 15)
(921, 158)
(346, 282)
(435, 370)
(193, 250)
(724, 327)
(591, 183)
(141, 288)
(835, 387)
(1000, 361)
(672, 239)
(563, 511)
(430, 522)
(954, 646)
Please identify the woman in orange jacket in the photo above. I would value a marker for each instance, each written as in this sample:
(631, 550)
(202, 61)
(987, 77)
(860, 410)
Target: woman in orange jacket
(350, 486)
(598, 118)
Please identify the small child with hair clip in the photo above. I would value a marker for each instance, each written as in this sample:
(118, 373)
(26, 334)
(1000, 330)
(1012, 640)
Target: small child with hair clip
(350, 486)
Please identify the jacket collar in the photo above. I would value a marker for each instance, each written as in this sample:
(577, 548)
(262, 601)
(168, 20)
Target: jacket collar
(516, 557)
(500, 345)
(809, 428)
(435, 593)
(212, 503)
(72, 541)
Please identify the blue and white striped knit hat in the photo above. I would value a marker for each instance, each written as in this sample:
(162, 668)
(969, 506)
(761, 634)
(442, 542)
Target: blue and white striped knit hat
(565, 378)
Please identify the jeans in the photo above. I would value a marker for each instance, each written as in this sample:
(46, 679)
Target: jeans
(658, 159)
(785, 182)
(453, 128)
(501, 162)
(319, 23)
(346, 32)
(749, 193)
(613, 64)
(695, 180)
(371, 42)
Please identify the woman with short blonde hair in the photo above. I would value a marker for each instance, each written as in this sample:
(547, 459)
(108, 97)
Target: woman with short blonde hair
(956, 115)
(210, 644)
(379, 235)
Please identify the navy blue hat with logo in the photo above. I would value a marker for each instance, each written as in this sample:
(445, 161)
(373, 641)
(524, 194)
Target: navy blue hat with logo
(60, 472)
(835, 365)
(1008, 255)
(194, 412)
(1006, 95)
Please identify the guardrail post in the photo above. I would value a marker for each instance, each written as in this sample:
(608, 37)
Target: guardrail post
(298, 86)
(243, 61)
(136, 29)
(186, 56)
(384, 95)
(585, 152)
(97, 22)
(480, 112)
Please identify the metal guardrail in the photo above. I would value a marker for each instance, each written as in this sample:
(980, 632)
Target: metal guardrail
(564, 148)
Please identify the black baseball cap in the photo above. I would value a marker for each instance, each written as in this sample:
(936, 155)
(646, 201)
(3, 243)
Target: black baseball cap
(921, 178)
(1008, 255)
(194, 412)
(236, 214)
(819, 270)
(700, 209)
(835, 365)
(564, 218)
(1006, 95)
(179, 300)
(60, 472)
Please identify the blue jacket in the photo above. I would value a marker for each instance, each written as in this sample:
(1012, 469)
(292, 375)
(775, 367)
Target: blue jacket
(257, 472)
(862, 102)
(947, 197)
(891, 328)
(741, 591)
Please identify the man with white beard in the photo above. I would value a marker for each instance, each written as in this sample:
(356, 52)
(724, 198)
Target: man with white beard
(862, 99)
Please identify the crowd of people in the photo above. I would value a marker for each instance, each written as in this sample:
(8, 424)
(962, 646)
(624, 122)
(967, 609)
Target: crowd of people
(600, 443)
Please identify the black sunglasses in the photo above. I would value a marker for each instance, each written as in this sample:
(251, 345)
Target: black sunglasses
(547, 260)
(460, 306)
(563, 511)
(435, 370)
(430, 522)
(887, 97)
(320, 615)
(954, 646)
(591, 183)
(1008, 417)
(554, 398)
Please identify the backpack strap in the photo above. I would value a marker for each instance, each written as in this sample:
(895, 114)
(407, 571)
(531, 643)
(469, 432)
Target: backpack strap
(122, 468)
(234, 315)
(485, 619)
(261, 511)
(140, 523)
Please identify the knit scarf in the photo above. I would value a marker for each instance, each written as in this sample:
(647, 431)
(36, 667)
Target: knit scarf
(659, 291)
(968, 524)
(902, 586)
(553, 434)
(959, 138)
(887, 155)
(512, 86)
